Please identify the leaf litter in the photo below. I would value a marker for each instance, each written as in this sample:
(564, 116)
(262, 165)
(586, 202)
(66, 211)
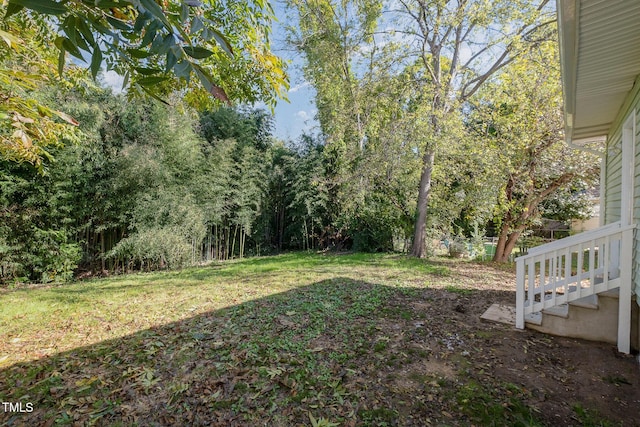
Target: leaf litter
(344, 349)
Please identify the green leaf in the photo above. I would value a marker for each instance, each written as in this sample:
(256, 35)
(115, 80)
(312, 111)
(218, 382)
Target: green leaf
(183, 69)
(184, 12)
(125, 80)
(96, 61)
(150, 33)
(222, 41)
(12, 9)
(167, 42)
(95, 23)
(151, 81)
(86, 32)
(141, 20)
(196, 24)
(106, 4)
(61, 60)
(153, 95)
(70, 29)
(119, 24)
(209, 85)
(68, 26)
(171, 61)
(71, 48)
(47, 7)
(148, 71)
(197, 52)
(138, 53)
(153, 8)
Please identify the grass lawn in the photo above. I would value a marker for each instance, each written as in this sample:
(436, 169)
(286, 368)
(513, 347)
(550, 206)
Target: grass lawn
(296, 339)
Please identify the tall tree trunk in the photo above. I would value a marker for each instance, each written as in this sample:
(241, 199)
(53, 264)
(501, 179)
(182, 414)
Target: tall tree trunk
(102, 251)
(233, 242)
(506, 243)
(419, 248)
(242, 241)
(280, 226)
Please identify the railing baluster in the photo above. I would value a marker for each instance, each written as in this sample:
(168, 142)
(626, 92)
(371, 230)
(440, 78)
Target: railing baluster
(550, 269)
(544, 274)
(520, 293)
(579, 268)
(532, 281)
(556, 272)
(567, 271)
(606, 255)
(592, 265)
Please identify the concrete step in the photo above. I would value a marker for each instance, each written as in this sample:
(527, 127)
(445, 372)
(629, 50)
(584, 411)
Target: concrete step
(533, 318)
(561, 310)
(590, 301)
(592, 318)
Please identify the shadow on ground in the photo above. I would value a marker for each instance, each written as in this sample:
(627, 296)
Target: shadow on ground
(346, 351)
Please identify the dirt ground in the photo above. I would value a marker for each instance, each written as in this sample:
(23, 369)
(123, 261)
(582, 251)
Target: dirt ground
(348, 350)
(564, 379)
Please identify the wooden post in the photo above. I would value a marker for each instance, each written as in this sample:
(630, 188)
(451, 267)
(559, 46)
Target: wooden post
(624, 302)
(520, 294)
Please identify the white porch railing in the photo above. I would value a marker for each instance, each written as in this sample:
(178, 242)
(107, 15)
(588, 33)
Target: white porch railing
(575, 267)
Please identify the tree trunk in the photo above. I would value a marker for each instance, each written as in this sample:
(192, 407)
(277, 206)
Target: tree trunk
(506, 243)
(281, 226)
(419, 248)
(233, 242)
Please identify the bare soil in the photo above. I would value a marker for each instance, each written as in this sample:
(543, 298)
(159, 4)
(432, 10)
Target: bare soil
(363, 344)
(565, 381)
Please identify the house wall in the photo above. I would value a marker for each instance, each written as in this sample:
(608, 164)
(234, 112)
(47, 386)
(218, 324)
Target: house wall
(613, 183)
(613, 174)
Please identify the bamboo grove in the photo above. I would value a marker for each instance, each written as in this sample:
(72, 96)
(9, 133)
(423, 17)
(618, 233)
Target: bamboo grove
(153, 187)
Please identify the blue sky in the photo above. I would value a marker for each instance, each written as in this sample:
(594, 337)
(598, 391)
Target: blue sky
(291, 118)
(298, 115)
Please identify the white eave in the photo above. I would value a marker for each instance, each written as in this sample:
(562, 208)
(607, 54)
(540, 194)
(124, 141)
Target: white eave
(600, 59)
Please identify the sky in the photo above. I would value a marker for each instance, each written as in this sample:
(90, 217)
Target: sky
(297, 116)
(292, 118)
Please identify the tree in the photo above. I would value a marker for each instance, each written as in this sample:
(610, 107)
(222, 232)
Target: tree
(201, 49)
(363, 94)
(446, 50)
(462, 44)
(522, 126)
(29, 127)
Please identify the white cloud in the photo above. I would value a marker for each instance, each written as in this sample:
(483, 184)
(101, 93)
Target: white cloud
(303, 115)
(299, 87)
(113, 80)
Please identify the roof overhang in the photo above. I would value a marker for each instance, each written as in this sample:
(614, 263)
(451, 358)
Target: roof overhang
(600, 60)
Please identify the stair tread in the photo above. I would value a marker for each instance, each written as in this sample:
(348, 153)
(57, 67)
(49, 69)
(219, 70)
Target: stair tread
(561, 310)
(534, 318)
(590, 301)
(611, 293)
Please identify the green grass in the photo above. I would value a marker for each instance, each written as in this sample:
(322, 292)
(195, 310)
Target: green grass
(591, 418)
(144, 300)
(295, 339)
(271, 329)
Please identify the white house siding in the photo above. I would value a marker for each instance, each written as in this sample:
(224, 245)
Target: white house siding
(636, 202)
(613, 184)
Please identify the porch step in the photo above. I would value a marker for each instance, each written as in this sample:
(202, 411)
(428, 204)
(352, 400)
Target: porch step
(590, 301)
(561, 310)
(612, 293)
(534, 318)
(506, 313)
(593, 318)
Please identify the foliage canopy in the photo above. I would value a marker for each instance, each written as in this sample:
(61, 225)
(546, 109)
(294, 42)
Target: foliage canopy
(205, 50)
